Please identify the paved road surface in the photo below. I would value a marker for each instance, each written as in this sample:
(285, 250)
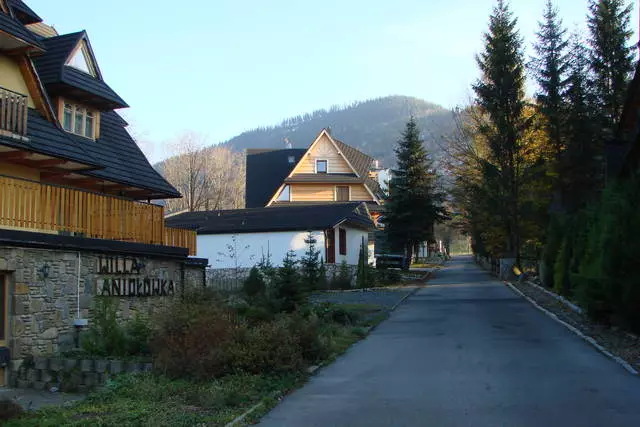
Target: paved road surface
(466, 352)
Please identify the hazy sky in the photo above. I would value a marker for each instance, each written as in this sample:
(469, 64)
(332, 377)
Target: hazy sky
(220, 67)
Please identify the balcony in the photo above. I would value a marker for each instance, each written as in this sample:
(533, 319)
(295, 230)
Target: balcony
(33, 206)
(13, 113)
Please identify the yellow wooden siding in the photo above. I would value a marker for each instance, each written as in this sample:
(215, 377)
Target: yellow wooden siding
(324, 150)
(326, 193)
(312, 193)
(34, 206)
(11, 78)
(19, 171)
(359, 193)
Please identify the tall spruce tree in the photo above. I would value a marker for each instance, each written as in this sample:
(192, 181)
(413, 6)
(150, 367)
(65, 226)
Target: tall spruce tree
(550, 66)
(583, 144)
(414, 202)
(501, 97)
(611, 57)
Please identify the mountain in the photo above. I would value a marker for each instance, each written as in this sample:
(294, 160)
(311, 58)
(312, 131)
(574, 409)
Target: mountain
(372, 126)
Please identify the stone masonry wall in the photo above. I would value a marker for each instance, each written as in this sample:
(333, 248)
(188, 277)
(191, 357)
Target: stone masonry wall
(43, 289)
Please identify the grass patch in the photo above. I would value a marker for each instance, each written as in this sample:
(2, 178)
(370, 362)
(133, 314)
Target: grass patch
(158, 401)
(145, 399)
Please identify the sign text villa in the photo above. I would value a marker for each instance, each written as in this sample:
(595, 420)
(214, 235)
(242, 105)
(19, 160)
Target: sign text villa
(128, 282)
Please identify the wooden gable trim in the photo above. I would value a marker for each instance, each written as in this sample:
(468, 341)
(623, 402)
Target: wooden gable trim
(36, 89)
(375, 199)
(277, 193)
(315, 142)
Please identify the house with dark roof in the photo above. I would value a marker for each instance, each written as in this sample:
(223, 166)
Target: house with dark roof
(339, 228)
(76, 194)
(329, 171)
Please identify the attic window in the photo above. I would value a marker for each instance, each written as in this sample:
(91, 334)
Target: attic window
(79, 120)
(81, 60)
(321, 166)
(292, 160)
(285, 194)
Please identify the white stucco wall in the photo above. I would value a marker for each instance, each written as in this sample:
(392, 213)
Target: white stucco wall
(354, 240)
(251, 247)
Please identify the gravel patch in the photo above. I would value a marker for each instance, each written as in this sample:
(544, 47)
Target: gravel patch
(386, 298)
(618, 342)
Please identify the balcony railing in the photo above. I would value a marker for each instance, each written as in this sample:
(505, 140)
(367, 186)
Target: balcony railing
(13, 112)
(34, 206)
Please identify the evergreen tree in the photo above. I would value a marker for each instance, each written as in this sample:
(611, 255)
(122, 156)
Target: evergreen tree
(583, 144)
(310, 263)
(611, 57)
(550, 68)
(501, 97)
(414, 202)
(288, 290)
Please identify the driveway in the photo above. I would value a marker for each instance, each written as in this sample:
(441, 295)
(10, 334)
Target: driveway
(466, 351)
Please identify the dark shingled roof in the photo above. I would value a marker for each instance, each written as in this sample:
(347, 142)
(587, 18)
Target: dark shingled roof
(122, 159)
(265, 172)
(23, 12)
(46, 138)
(114, 156)
(360, 161)
(53, 71)
(16, 28)
(290, 218)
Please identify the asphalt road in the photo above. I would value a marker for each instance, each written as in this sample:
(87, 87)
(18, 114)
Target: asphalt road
(466, 351)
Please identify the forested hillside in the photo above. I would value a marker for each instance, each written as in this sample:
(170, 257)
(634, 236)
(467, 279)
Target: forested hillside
(372, 126)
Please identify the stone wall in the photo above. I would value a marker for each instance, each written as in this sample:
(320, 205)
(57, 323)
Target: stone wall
(68, 374)
(46, 296)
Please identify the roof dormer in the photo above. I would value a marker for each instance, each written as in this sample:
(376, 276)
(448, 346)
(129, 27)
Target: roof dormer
(69, 69)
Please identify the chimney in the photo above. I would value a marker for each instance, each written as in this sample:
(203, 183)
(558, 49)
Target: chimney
(287, 143)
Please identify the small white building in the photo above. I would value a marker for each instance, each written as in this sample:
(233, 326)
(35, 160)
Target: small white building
(242, 237)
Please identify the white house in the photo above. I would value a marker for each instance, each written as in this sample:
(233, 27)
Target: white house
(242, 237)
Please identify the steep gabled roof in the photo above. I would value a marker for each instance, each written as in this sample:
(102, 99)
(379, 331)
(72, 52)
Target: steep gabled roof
(121, 158)
(273, 219)
(23, 12)
(53, 72)
(361, 162)
(265, 172)
(46, 138)
(15, 28)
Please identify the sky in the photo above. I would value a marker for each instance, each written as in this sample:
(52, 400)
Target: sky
(220, 67)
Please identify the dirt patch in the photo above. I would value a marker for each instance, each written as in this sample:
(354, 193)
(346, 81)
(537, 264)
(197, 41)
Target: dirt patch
(618, 342)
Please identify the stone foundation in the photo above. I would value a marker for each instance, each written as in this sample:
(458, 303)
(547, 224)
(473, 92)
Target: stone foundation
(45, 295)
(70, 375)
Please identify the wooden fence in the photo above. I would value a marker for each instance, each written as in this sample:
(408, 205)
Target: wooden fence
(40, 207)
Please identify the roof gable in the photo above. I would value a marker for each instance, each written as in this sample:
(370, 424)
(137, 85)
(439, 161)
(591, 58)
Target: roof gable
(323, 145)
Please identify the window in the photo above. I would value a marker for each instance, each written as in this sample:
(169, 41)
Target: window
(79, 120)
(285, 194)
(342, 193)
(81, 60)
(292, 159)
(331, 245)
(321, 166)
(342, 237)
(67, 120)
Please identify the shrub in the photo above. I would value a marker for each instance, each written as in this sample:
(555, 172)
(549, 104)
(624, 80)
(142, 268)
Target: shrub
(193, 336)
(341, 280)
(310, 263)
(552, 250)
(105, 337)
(254, 284)
(138, 334)
(9, 409)
(290, 293)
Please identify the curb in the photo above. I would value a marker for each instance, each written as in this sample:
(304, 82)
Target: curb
(576, 331)
(560, 298)
(404, 298)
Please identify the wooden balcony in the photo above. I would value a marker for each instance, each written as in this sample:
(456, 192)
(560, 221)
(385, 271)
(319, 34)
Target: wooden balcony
(13, 113)
(47, 208)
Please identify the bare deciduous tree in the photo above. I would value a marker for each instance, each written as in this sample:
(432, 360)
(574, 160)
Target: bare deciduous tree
(209, 178)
